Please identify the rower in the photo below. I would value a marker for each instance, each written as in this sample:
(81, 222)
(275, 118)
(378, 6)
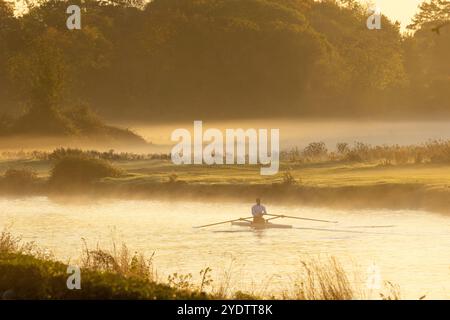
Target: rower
(258, 211)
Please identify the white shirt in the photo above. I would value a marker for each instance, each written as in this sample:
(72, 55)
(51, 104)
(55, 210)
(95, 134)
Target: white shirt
(258, 210)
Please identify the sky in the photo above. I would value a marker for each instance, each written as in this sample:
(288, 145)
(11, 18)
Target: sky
(398, 10)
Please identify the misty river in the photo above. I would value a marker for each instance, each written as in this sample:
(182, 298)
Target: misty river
(409, 248)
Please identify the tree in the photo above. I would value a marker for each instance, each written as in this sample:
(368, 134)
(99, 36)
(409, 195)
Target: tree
(9, 36)
(367, 65)
(163, 59)
(434, 11)
(315, 151)
(233, 55)
(140, 4)
(42, 72)
(427, 57)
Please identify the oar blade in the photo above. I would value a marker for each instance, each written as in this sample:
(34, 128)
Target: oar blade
(219, 223)
(301, 218)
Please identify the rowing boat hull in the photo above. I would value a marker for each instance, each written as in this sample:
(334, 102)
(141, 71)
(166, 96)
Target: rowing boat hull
(267, 225)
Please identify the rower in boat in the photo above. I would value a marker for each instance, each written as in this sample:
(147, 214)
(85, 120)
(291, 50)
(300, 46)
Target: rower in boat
(258, 211)
(258, 222)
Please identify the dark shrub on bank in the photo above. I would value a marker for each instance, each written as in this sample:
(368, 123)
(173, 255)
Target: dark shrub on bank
(80, 171)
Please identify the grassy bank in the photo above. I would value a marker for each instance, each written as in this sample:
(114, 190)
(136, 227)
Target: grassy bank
(27, 277)
(26, 272)
(336, 184)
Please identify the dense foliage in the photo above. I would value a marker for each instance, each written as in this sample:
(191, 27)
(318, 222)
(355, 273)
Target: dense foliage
(80, 170)
(169, 59)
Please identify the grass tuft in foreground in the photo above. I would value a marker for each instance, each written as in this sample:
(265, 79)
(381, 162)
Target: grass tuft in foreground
(324, 281)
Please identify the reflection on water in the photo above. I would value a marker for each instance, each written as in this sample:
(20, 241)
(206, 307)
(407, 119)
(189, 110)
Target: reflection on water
(409, 247)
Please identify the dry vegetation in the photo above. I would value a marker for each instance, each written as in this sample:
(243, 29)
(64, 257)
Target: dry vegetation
(434, 151)
(29, 273)
(324, 281)
(119, 273)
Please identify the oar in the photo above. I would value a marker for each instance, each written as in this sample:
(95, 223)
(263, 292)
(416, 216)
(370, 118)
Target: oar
(217, 223)
(300, 218)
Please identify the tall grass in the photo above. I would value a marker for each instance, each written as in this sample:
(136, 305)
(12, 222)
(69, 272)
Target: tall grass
(119, 260)
(14, 244)
(321, 280)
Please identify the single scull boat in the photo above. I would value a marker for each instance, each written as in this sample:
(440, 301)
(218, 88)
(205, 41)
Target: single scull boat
(247, 222)
(267, 225)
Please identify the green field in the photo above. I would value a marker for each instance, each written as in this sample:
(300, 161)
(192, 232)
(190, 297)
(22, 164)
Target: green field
(317, 174)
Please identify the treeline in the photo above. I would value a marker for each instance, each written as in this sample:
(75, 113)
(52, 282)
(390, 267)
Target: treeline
(183, 59)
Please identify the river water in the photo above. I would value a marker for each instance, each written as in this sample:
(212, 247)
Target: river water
(408, 248)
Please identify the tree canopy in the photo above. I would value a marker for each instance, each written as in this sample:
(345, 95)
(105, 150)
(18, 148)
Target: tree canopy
(185, 59)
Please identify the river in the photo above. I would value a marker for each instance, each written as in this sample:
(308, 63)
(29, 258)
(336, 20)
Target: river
(409, 248)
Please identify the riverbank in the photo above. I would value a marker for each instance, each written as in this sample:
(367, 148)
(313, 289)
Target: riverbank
(28, 272)
(28, 277)
(338, 185)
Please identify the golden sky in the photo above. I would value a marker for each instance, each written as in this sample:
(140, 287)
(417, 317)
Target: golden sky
(398, 10)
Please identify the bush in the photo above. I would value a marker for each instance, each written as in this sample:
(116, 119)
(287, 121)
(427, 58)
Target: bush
(315, 151)
(342, 148)
(75, 170)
